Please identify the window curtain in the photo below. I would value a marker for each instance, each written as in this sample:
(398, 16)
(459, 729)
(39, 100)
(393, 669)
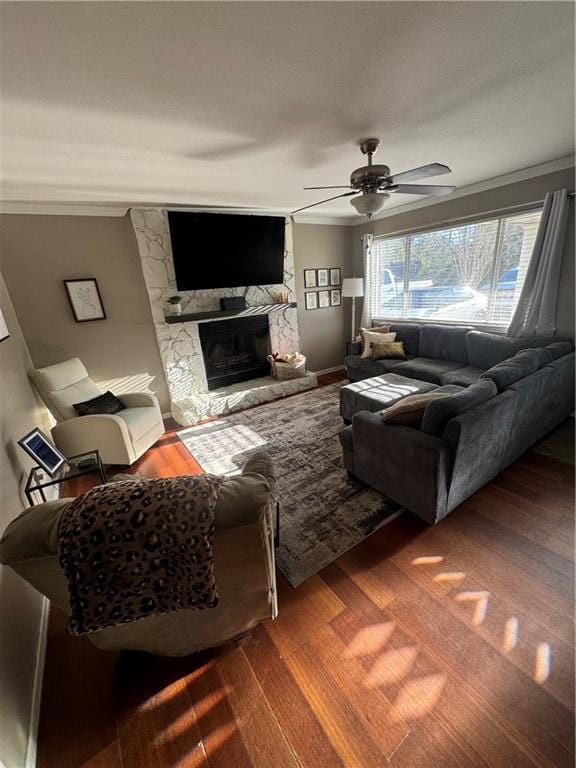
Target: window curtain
(535, 313)
(369, 281)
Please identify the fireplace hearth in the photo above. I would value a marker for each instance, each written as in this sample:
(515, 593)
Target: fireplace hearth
(235, 350)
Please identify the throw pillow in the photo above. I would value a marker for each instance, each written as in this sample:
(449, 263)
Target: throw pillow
(409, 411)
(371, 336)
(376, 329)
(391, 350)
(106, 403)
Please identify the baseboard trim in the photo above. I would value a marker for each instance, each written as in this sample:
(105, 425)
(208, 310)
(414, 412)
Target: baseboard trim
(32, 743)
(330, 370)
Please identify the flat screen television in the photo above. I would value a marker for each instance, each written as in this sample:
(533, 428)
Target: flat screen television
(221, 250)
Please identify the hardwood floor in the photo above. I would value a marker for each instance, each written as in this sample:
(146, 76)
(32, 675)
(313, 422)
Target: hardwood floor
(444, 646)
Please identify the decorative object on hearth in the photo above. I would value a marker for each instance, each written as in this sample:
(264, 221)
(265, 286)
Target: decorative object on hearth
(323, 299)
(310, 278)
(323, 278)
(353, 287)
(281, 297)
(4, 333)
(232, 302)
(375, 184)
(289, 366)
(174, 305)
(335, 276)
(85, 299)
(311, 300)
(323, 513)
(335, 297)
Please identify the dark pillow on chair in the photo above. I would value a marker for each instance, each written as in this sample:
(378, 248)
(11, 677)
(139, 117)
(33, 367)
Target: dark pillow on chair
(106, 403)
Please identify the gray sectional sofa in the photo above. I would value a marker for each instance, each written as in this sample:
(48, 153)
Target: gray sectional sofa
(505, 393)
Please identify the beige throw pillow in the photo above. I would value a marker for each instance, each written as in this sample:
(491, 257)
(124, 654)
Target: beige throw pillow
(392, 350)
(409, 411)
(374, 336)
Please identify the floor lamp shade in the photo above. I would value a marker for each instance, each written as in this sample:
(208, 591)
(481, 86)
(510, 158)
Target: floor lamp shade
(353, 287)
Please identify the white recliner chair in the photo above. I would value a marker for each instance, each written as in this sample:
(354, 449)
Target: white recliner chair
(121, 438)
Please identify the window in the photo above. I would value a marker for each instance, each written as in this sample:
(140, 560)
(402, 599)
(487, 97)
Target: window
(471, 272)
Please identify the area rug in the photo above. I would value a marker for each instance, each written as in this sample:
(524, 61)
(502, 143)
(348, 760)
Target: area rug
(322, 512)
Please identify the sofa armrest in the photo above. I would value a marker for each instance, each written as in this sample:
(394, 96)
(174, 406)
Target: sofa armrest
(406, 465)
(106, 432)
(139, 400)
(355, 348)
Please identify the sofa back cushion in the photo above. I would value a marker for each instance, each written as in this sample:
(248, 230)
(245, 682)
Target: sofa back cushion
(519, 366)
(557, 349)
(488, 349)
(444, 342)
(439, 412)
(409, 333)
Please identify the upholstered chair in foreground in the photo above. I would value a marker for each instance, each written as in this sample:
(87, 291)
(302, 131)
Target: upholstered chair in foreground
(243, 568)
(121, 437)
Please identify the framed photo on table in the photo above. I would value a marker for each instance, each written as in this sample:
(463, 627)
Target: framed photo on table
(310, 278)
(335, 297)
(85, 300)
(335, 277)
(323, 299)
(48, 457)
(323, 278)
(311, 300)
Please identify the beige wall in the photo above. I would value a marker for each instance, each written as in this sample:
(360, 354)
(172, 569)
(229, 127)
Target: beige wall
(20, 605)
(323, 331)
(38, 252)
(492, 200)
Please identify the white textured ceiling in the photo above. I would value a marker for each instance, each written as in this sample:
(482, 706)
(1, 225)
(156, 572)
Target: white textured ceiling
(242, 104)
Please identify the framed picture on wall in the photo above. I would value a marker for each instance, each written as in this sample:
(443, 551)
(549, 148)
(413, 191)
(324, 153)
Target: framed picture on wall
(309, 278)
(335, 276)
(323, 277)
(85, 300)
(311, 300)
(4, 334)
(323, 299)
(335, 297)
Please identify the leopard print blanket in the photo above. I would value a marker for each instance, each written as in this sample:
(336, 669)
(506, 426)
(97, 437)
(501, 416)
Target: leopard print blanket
(133, 549)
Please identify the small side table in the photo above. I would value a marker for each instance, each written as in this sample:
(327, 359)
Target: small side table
(39, 479)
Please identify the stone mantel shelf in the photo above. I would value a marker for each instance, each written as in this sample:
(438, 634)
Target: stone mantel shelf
(216, 314)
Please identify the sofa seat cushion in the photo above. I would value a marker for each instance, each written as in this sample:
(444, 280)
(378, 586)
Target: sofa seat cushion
(463, 376)
(444, 342)
(364, 368)
(426, 368)
(523, 363)
(377, 393)
(438, 413)
(139, 421)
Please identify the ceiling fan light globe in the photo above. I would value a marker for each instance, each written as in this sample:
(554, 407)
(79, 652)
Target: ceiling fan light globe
(370, 203)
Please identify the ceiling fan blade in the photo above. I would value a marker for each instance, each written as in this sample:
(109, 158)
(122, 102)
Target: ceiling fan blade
(421, 189)
(342, 186)
(346, 194)
(433, 169)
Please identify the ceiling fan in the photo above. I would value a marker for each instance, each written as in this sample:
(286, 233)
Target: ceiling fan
(375, 184)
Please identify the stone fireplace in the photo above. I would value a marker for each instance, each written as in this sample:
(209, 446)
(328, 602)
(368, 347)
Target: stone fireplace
(235, 350)
(199, 391)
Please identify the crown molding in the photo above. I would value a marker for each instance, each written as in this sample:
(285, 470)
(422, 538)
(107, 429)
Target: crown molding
(339, 221)
(532, 172)
(120, 209)
(63, 209)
